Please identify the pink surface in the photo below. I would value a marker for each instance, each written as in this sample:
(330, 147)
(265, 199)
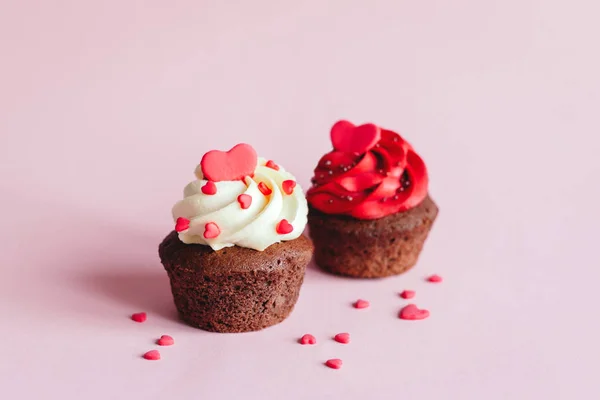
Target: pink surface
(106, 108)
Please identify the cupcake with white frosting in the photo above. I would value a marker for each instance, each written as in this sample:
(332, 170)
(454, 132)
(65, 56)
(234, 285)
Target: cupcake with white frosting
(237, 256)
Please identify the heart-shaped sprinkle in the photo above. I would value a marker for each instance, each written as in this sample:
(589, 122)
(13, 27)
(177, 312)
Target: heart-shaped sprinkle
(152, 355)
(271, 164)
(235, 164)
(407, 294)
(334, 363)
(264, 189)
(412, 312)
(139, 317)
(245, 200)
(182, 224)
(288, 186)
(284, 227)
(209, 188)
(347, 137)
(342, 338)
(360, 303)
(211, 230)
(435, 278)
(165, 340)
(308, 339)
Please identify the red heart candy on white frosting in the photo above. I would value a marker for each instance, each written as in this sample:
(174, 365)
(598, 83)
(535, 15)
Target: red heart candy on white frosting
(348, 138)
(232, 165)
(211, 230)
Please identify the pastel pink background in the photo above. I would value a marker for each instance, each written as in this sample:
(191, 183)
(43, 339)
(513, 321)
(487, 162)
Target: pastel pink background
(106, 107)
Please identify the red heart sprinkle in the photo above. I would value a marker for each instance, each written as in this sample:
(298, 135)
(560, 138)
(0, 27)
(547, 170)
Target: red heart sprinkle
(334, 363)
(152, 355)
(342, 338)
(264, 189)
(360, 303)
(308, 339)
(288, 186)
(209, 188)
(284, 227)
(165, 340)
(245, 200)
(235, 164)
(407, 294)
(435, 278)
(349, 138)
(139, 317)
(182, 224)
(411, 312)
(271, 164)
(211, 230)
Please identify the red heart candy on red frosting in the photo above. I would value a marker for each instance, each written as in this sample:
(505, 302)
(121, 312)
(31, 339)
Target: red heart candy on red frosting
(232, 165)
(347, 137)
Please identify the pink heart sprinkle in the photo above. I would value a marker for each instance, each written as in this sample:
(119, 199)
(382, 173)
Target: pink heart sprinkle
(271, 164)
(308, 339)
(407, 294)
(342, 338)
(152, 355)
(211, 230)
(139, 317)
(334, 363)
(264, 189)
(245, 201)
(209, 188)
(165, 340)
(435, 278)
(288, 186)
(360, 303)
(182, 224)
(284, 227)
(412, 313)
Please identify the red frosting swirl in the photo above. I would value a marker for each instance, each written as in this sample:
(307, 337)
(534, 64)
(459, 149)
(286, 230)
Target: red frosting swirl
(383, 177)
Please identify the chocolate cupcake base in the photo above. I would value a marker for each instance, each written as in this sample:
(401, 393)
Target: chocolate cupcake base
(235, 289)
(371, 248)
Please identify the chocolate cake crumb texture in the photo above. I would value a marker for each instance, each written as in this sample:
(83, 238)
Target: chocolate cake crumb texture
(371, 248)
(235, 289)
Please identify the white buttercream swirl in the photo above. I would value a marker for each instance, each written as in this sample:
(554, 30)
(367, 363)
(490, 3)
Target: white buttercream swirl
(254, 227)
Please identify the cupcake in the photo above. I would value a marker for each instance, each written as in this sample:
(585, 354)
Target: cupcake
(369, 208)
(237, 256)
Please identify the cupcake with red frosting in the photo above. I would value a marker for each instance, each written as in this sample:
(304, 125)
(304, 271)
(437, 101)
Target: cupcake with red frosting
(237, 256)
(369, 207)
